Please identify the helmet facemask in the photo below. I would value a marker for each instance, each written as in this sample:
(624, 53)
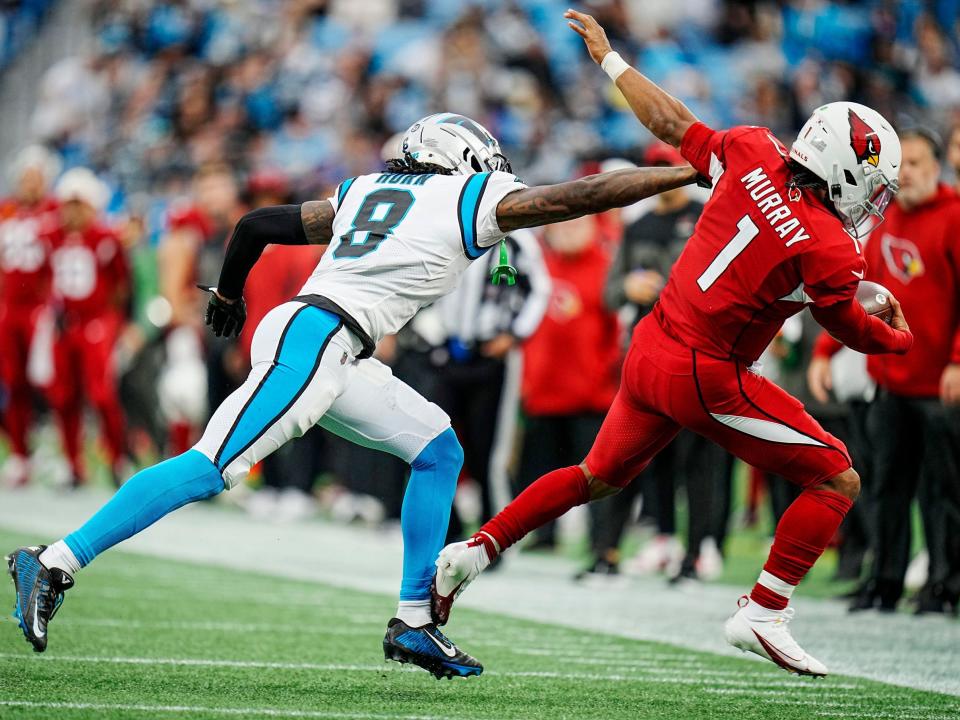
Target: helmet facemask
(879, 191)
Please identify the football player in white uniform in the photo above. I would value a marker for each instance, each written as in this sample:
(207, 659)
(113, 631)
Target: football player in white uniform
(398, 240)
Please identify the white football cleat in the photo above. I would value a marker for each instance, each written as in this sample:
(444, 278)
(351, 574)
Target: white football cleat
(766, 633)
(457, 566)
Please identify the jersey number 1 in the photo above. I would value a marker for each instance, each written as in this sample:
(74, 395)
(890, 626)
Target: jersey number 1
(380, 212)
(746, 231)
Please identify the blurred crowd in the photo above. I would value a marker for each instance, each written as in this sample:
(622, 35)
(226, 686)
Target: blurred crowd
(19, 22)
(146, 152)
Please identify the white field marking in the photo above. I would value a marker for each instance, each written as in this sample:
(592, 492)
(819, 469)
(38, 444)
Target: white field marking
(849, 708)
(200, 587)
(802, 686)
(565, 652)
(775, 697)
(198, 662)
(606, 658)
(198, 709)
(896, 714)
(278, 600)
(635, 659)
(342, 667)
(215, 626)
(334, 715)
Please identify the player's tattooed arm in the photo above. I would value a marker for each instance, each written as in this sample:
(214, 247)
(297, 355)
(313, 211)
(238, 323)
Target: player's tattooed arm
(661, 113)
(535, 206)
(317, 217)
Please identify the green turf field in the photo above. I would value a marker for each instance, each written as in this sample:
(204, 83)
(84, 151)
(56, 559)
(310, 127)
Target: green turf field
(141, 637)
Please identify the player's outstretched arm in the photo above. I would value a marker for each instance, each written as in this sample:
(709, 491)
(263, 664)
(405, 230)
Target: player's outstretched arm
(661, 113)
(308, 224)
(547, 204)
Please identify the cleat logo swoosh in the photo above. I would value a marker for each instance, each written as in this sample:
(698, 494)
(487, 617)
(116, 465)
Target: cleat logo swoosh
(447, 650)
(780, 658)
(36, 627)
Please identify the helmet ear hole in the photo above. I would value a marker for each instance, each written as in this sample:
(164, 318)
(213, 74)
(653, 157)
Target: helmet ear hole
(475, 164)
(848, 176)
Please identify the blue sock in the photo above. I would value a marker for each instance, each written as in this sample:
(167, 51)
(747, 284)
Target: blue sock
(426, 512)
(144, 499)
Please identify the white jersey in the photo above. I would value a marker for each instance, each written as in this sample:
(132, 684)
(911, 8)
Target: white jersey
(401, 241)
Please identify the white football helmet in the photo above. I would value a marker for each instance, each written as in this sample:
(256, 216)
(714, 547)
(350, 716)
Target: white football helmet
(82, 184)
(34, 156)
(856, 152)
(453, 142)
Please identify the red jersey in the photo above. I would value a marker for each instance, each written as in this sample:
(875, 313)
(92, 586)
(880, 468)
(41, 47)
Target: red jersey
(90, 271)
(586, 380)
(915, 254)
(25, 252)
(757, 256)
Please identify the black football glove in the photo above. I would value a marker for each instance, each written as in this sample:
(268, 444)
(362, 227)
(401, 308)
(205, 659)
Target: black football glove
(225, 319)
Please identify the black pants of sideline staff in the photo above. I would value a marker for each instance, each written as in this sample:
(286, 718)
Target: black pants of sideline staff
(916, 452)
(470, 393)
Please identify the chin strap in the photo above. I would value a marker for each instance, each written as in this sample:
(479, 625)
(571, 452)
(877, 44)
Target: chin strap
(504, 270)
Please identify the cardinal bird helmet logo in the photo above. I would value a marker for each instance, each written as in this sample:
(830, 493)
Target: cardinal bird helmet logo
(864, 140)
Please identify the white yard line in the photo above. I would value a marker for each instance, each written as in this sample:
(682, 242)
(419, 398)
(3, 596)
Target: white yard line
(923, 653)
(214, 627)
(200, 709)
(848, 709)
(731, 680)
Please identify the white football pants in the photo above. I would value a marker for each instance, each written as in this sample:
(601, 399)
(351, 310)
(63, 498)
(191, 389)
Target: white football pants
(305, 372)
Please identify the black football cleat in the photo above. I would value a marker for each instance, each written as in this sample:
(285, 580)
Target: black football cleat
(39, 593)
(428, 648)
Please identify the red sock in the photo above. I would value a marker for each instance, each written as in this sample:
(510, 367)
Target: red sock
(546, 499)
(17, 418)
(179, 436)
(69, 419)
(803, 533)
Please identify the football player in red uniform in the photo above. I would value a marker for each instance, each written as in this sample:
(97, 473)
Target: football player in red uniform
(91, 283)
(779, 234)
(24, 290)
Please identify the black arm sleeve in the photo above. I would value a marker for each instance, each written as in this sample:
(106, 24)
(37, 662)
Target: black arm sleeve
(277, 225)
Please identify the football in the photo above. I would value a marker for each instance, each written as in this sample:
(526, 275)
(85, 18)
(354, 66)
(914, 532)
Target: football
(875, 300)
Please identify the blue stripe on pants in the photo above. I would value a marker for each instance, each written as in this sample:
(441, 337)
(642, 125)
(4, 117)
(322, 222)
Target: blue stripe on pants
(299, 351)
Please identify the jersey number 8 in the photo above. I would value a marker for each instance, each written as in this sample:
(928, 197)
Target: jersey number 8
(380, 212)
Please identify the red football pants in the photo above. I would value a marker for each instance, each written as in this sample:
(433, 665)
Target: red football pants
(667, 386)
(83, 369)
(16, 329)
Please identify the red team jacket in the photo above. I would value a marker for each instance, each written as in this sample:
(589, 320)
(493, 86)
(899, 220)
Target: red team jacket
(761, 255)
(90, 271)
(25, 253)
(571, 363)
(916, 255)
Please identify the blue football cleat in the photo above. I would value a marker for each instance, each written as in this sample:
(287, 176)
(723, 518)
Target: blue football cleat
(428, 648)
(39, 593)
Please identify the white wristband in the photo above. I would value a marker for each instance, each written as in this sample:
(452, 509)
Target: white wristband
(614, 65)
